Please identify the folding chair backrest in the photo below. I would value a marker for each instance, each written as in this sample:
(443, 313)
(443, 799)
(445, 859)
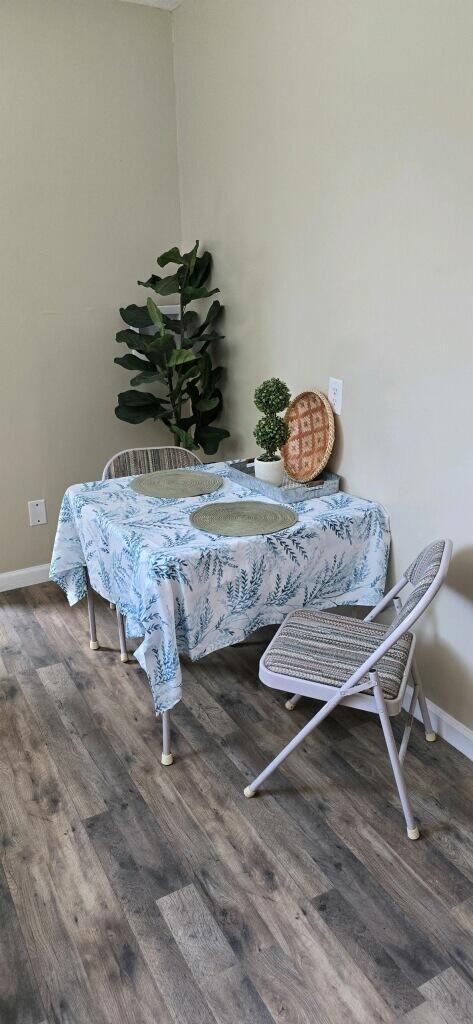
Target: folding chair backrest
(427, 569)
(136, 461)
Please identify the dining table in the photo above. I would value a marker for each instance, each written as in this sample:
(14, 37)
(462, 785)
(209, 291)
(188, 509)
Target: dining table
(183, 591)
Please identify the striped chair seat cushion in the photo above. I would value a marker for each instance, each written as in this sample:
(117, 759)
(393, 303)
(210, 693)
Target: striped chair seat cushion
(327, 648)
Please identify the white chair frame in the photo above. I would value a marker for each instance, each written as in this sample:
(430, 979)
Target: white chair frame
(354, 691)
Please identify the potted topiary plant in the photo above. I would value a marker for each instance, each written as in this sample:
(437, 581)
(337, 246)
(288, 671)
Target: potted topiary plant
(271, 432)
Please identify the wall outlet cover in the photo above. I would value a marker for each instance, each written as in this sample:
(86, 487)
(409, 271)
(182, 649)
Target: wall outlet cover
(335, 394)
(37, 512)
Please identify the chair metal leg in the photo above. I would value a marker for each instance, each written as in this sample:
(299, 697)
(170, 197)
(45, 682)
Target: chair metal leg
(91, 612)
(292, 701)
(412, 830)
(166, 756)
(408, 727)
(299, 738)
(430, 735)
(121, 637)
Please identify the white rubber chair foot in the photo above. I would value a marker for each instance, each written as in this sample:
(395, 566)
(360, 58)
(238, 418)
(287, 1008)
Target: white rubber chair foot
(248, 791)
(94, 646)
(289, 705)
(167, 759)
(123, 657)
(431, 737)
(413, 833)
(112, 606)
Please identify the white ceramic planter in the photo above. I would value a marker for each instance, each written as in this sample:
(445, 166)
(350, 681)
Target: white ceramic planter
(270, 472)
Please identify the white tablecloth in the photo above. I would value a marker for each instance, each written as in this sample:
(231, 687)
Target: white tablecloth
(185, 591)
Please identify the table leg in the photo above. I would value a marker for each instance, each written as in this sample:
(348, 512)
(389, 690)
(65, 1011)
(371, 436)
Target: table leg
(93, 644)
(166, 756)
(122, 637)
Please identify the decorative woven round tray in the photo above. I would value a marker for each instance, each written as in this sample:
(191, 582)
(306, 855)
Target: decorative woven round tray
(311, 436)
(176, 483)
(243, 518)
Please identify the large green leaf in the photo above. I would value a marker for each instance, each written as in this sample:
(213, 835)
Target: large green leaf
(200, 272)
(183, 381)
(146, 377)
(155, 313)
(130, 362)
(190, 293)
(162, 285)
(180, 356)
(151, 282)
(191, 322)
(171, 256)
(138, 406)
(204, 340)
(209, 438)
(214, 311)
(207, 404)
(133, 398)
(140, 342)
(161, 349)
(136, 316)
(212, 414)
(190, 258)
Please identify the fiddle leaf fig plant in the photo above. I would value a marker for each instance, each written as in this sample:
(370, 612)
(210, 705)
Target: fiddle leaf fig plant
(173, 355)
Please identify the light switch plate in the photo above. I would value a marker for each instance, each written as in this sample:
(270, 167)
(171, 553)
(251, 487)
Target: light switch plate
(335, 394)
(37, 512)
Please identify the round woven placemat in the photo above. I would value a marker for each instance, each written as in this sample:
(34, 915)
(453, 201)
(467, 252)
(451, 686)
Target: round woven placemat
(243, 518)
(311, 436)
(176, 483)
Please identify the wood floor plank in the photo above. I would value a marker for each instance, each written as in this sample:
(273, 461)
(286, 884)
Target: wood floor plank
(20, 1002)
(230, 995)
(138, 888)
(78, 771)
(354, 934)
(423, 1014)
(451, 996)
(283, 988)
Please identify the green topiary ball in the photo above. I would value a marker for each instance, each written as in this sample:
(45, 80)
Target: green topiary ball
(271, 433)
(272, 396)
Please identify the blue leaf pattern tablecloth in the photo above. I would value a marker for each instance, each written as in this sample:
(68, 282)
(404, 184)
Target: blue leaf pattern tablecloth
(187, 592)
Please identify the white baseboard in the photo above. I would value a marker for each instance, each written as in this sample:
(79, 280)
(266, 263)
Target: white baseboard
(449, 728)
(24, 577)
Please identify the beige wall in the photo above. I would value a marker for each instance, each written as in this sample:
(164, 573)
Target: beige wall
(88, 185)
(326, 157)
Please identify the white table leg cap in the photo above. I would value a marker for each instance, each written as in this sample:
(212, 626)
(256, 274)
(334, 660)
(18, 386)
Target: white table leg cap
(123, 657)
(94, 645)
(413, 833)
(431, 737)
(248, 791)
(167, 759)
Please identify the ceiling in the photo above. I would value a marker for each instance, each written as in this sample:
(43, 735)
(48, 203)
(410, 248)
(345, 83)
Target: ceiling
(165, 5)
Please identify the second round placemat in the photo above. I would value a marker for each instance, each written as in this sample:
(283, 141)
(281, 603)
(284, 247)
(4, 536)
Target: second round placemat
(176, 483)
(243, 518)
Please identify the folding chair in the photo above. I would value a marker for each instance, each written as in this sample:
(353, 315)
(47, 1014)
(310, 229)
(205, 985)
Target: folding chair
(363, 664)
(134, 462)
